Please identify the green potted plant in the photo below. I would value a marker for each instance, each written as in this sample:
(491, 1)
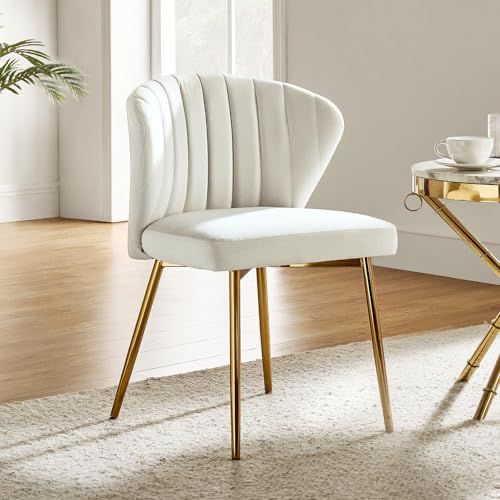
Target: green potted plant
(24, 63)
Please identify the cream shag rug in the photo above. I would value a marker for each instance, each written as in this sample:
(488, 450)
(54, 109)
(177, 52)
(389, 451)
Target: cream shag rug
(319, 435)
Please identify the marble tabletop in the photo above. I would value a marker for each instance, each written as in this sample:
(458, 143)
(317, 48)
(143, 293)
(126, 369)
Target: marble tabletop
(433, 170)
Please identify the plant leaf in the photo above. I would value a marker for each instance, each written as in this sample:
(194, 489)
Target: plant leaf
(54, 77)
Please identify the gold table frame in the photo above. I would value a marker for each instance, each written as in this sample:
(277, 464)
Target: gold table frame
(432, 191)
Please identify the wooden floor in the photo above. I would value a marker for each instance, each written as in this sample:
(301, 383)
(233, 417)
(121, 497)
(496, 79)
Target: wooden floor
(69, 296)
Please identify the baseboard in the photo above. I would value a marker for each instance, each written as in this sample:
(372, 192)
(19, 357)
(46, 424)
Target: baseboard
(39, 201)
(442, 256)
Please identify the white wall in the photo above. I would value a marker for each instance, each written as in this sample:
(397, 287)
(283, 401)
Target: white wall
(84, 125)
(109, 40)
(130, 66)
(28, 122)
(404, 74)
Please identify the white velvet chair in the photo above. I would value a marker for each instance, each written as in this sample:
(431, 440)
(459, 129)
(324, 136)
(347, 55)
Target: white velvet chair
(221, 170)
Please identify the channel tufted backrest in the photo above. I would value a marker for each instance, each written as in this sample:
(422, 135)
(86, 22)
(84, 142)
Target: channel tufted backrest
(216, 141)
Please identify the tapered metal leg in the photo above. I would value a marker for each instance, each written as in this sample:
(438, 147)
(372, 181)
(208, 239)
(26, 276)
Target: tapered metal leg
(489, 392)
(265, 341)
(135, 343)
(378, 348)
(473, 363)
(235, 361)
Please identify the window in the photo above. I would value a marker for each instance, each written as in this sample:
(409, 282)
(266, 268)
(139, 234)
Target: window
(242, 37)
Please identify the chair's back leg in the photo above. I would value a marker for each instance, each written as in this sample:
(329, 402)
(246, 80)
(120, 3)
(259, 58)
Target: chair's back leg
(235, 361)
(265, 341)
(378, 348)
(135, 343)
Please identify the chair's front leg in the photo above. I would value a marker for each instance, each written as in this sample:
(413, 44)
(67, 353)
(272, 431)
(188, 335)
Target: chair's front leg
(235, 360)
(378, 348)
(265, 341)
(135, 343)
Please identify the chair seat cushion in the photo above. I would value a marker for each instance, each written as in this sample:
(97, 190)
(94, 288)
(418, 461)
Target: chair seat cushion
(246, 238)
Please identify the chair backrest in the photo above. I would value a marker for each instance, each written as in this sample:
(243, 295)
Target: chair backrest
(214, 141)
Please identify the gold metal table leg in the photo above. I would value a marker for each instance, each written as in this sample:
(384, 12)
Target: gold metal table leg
(473, 363)
(135, 343)
(378, 347)
(489, 392)
(494, 264)
(235, 361)
(265, 341)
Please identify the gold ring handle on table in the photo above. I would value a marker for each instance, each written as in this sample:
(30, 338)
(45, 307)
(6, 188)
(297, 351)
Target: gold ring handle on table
(405, 203)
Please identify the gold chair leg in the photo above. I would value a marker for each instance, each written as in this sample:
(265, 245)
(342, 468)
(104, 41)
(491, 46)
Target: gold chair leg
(135, 343)
(235, 361)
(378, 348)
(474, 362)
(489, 392)
(265, 341)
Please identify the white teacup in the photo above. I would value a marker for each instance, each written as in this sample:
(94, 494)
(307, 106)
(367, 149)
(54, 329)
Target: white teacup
(466, 149)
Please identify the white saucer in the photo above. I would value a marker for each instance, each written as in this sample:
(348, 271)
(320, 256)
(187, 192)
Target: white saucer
(491, 163)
